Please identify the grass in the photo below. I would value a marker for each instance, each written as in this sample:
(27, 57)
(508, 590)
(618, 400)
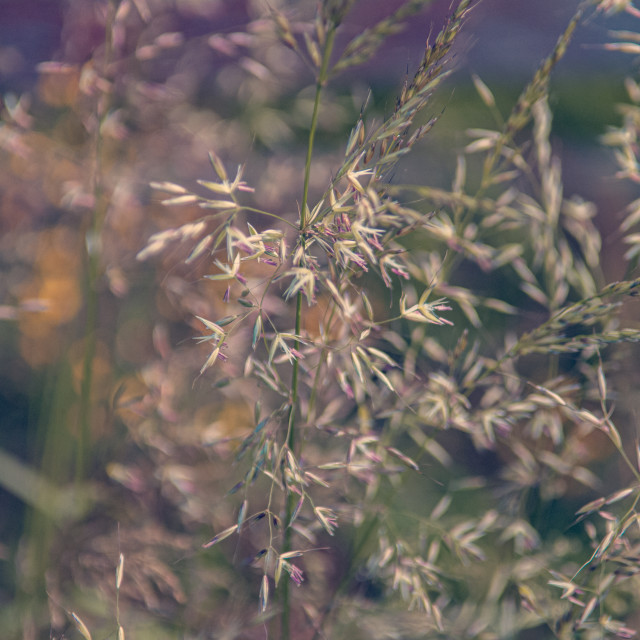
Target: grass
(406, 409)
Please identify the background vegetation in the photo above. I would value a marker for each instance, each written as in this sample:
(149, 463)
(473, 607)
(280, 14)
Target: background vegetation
(437, 353)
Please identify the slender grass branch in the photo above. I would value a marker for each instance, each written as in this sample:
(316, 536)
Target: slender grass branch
(322, 78)
(88, 361)
(291, 431)
(93, 266)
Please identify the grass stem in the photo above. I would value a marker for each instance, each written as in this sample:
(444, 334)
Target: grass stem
(291, 431)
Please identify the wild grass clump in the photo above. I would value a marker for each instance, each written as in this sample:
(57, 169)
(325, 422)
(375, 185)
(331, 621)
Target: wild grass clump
(355, 402)
(405, 413)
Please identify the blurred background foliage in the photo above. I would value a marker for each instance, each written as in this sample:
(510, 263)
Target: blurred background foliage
(105, 426)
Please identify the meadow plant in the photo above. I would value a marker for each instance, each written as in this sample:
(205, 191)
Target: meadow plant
(414, 418)
(356, 400)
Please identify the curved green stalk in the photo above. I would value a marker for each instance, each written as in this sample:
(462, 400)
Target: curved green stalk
(322, 78)
(291, 431)
(82, 451)
(93, 271)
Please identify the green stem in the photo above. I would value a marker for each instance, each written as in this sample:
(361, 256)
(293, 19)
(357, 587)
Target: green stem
(268, 213)
(87, 364)
(322, 78)
(291, 497)
(93, 267)
(291, 431)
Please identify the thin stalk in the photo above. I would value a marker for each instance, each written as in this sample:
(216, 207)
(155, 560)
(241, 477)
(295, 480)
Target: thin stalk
(291, 431)
(93, 268)
(291, 498)
(322, 78)
(520, 114)
(88, 359)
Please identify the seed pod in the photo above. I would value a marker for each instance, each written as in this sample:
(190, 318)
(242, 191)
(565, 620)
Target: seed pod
(369, 154)
(361, 134)
(312, 49)
(284, 30)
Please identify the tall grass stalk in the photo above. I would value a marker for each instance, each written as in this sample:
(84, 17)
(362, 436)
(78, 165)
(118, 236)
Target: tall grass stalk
(291, 427)
(93, 257)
